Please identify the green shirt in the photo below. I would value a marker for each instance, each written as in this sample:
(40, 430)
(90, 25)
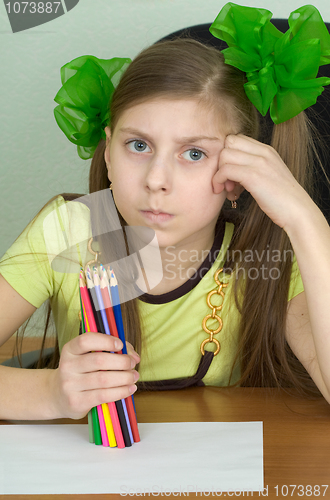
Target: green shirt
(171, 327)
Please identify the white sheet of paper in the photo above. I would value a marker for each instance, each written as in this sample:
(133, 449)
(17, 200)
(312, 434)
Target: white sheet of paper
(171, 457)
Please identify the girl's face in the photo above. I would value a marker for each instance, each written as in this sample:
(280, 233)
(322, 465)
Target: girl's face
(161, 160)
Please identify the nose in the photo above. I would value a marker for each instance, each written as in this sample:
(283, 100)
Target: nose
(159, 175)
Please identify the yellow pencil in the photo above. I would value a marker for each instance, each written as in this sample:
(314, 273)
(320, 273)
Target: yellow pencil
(109, 426)
(86, 318)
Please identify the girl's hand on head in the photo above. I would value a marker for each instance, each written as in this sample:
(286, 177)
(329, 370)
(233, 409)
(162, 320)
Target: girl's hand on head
(91, 372)
(248, 164)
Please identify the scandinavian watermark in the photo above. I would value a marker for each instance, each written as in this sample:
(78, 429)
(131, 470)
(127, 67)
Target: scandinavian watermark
(182, 264)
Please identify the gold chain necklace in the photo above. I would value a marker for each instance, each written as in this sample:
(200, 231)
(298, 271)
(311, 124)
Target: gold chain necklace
(214, 315)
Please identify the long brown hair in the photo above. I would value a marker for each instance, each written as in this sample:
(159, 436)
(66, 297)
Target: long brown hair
(264, 355)
(167, 69)
(185, 68)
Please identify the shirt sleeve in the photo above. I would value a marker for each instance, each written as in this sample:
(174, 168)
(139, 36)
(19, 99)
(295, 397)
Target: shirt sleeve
(296, 283)
(37, 261)
(25, 265)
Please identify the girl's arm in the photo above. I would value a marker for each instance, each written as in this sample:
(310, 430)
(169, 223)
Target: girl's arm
(24, 394)
(248, 164)
(308, 320)
(83, 379)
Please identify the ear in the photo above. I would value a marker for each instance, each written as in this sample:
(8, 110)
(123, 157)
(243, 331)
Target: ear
(107, 149)
(235, 193)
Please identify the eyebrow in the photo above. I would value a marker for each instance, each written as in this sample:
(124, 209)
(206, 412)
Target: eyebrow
(182, 140)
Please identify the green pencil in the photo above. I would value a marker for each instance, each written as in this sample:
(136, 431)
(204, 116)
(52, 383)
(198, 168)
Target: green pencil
(90, 416)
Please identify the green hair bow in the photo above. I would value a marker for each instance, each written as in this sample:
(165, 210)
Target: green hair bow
(83, 100)
(281, 68)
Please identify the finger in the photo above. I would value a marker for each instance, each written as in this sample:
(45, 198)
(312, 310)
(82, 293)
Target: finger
(132, 352)
(230, 186)
(72, 387)
(225, 177)
(95, 361)
(81, 402)
(105, 380)
(92, 341)
(248, 144)
(239, 157)
(234, 188)
(228, 176)
(100, 396)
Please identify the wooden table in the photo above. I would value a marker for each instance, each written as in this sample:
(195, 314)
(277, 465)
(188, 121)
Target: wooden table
(29, 344)
(296, 433)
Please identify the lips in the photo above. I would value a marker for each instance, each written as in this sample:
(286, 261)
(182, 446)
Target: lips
(156, 216)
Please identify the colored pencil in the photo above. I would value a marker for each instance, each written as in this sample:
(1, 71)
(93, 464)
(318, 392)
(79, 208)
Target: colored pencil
(96, 427)
(118, 425)
(109, 425)
(106, 295)
(109, 413)
(92, 327)
(124, 421)
(120, 327)
(113, 331)
(94, 303)
(120, 405)
(83, 330)
(93, 421)
(112, 424)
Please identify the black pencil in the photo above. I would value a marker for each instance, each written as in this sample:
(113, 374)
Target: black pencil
(101, 329)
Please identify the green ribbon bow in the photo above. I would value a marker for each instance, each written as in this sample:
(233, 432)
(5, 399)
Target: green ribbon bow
(281, 68)
(83, 110)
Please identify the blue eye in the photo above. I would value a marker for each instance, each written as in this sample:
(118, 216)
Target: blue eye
(193, 154)
(138, 146)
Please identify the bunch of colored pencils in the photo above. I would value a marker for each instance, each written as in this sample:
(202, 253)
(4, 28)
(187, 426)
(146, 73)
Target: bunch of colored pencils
(110, 424)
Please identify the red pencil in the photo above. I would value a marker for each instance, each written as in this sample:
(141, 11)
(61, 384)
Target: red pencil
(92, 327)
(112, 406)
(87, 303)
(129, 401)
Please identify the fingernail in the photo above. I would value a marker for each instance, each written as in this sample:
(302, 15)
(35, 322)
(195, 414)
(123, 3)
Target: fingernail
(132, 389)
(137, 358)
(118, 345)
(136, 376)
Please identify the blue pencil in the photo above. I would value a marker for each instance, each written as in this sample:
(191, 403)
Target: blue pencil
(100, 302)
(129, 440)
(116, 307)
(120, 327)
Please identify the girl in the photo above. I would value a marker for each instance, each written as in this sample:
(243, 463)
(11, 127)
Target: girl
(244, 297)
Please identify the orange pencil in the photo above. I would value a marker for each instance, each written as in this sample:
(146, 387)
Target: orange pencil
(112, 405)
(92, 327)
(129, 401)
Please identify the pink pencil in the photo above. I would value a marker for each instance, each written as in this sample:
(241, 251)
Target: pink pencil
(130, 399)
(92, 327)
(113, 413)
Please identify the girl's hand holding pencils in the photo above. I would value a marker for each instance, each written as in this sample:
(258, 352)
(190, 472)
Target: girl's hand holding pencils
(85, 379)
